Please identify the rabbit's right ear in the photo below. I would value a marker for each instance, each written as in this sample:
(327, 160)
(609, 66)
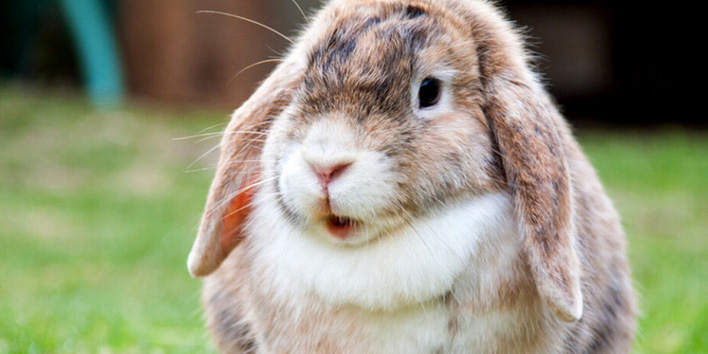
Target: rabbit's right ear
(237, 176)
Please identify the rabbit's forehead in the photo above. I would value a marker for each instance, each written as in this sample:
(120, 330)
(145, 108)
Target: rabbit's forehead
(372, 50)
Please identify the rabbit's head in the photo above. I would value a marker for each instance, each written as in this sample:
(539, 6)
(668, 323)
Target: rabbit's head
(386, 111)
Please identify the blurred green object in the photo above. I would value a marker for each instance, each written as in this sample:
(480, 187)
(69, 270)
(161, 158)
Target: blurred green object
(89, 22)
(93, 33)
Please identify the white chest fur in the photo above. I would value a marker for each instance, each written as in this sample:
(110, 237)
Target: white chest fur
(389, 291)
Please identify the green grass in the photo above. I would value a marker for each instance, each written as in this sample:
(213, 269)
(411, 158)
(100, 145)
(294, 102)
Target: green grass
(98, 212)
(659, 182)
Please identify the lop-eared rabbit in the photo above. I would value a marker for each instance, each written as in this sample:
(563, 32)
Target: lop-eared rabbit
(402, 183)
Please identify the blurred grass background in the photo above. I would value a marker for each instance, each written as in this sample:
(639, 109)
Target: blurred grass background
(98, 212)
(98, 209)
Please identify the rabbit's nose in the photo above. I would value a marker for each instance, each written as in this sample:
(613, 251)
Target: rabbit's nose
(326, 173)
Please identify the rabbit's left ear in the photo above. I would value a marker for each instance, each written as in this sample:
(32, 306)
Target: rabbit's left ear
(531, 138)
(527, 129)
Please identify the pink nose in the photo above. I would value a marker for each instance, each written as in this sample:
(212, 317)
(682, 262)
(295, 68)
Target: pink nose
(328, 173)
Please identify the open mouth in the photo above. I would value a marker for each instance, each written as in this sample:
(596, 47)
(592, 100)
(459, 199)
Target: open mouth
(341, 226)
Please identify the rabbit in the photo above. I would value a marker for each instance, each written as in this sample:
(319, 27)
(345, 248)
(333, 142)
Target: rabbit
(403, 183)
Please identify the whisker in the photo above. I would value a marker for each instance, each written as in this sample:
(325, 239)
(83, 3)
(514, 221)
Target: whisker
(202, 131)
(210, 167)
(231, 196)
(247, 20)
(247, 132)
(255, 184)
(247, 146)
(277, 53)
(408, 219)
(250, 146)
(203, 156)
(235, 211)
(211, 127)
(274, 60)
(301, 12)
(213, 166)
(256, 139)
(243, 207)
(208, 138)
(197, 136)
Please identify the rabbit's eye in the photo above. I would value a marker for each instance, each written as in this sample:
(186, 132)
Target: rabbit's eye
(429, 92)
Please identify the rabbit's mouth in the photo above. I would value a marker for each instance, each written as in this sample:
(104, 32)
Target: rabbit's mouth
(341, 226)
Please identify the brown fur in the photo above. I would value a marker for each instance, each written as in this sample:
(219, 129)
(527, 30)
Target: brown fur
(569, 280)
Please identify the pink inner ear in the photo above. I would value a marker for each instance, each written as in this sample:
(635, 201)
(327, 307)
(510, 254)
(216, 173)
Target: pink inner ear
(236, 214)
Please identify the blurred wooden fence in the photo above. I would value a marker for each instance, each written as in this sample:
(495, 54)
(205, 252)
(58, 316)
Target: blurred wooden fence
(174, 54)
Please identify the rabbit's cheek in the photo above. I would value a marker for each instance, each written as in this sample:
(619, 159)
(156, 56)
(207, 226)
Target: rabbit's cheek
(365, 189)
(300, 190)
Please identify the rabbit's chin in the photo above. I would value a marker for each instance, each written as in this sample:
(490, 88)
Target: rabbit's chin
(418, 262)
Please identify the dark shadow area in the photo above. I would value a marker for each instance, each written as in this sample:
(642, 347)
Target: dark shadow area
(608, 64)
(615, 63)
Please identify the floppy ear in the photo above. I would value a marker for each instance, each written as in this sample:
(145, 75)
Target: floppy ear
(530, 134)
(533, 158)
(237, 176)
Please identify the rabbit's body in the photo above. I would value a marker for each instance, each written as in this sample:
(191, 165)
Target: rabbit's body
(375, 303)
(365, 212)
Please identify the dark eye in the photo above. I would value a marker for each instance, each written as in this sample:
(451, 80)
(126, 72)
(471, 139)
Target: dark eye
(429, 92)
